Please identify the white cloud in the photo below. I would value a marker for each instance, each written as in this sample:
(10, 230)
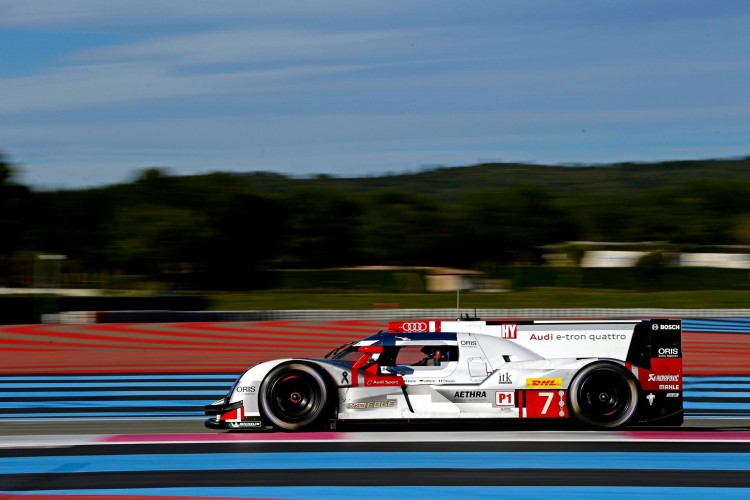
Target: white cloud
(264, 45)
(156, 12)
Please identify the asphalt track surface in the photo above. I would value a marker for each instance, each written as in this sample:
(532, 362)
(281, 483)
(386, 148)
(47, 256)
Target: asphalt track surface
(510, 464)
(178, 458)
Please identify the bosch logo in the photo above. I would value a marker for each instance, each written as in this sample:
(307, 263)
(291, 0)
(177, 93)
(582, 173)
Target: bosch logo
(669, 327)
(414, 327)
(654, 326)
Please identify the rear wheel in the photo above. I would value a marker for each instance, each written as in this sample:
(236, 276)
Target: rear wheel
(603, 396)
(294, 396)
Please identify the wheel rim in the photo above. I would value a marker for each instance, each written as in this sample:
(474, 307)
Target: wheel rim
(294, 397)
(604, 397)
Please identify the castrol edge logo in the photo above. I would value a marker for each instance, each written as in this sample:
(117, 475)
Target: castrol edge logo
(544, 383)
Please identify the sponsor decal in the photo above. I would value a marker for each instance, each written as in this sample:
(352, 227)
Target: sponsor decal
(244, 424)
(673, 394)
(660, 327)
(651, 398)
(382, 382)
(429, 380)
(669, 387)
(546, 336)
(591, 337)
(509, 331)
(505, 398)
(669, 327)
(547, 383)
(247, 389)
(366, 405)
(505, 378)
(470, 396)
(468, 343)
(668, 352)
(345, 378)
(418, 326)
(652, 377)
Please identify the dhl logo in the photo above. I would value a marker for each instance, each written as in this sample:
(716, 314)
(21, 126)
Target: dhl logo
(545, 383)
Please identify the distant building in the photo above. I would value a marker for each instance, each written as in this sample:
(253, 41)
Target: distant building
(724, 260)
(618, 254)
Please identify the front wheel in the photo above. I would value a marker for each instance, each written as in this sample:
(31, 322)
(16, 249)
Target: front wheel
(603, 396)
(294, 397)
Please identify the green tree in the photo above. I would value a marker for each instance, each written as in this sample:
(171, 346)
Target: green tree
(321, 228)
(401, 228)
(15, 202)
(249, 234)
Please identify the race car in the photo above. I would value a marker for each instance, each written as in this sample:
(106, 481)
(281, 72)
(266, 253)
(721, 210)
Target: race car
(601, 374)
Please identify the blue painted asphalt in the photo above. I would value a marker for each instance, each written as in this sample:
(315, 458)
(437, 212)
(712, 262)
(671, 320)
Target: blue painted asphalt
(724, 396)
(412, 492)
(377, 460)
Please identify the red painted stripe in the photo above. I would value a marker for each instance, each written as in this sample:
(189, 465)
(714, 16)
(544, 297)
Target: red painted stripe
(162, 348)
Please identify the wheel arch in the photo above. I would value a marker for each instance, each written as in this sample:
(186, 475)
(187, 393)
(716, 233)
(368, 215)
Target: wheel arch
(332, 394)
(627, 375)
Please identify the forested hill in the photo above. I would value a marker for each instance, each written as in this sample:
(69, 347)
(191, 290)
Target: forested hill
(449, 182)
(222, 230)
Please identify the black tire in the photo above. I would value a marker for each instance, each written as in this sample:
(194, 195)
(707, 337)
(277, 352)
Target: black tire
(294, 396)
(603, 396)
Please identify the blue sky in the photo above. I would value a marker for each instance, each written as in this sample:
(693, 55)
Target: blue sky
(92, 91)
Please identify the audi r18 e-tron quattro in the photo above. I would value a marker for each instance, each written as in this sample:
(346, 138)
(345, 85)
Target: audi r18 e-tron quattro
(602, 374)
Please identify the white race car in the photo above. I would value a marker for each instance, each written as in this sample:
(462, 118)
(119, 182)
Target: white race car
(603, 374)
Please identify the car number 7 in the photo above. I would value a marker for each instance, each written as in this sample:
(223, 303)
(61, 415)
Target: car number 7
(549, 396)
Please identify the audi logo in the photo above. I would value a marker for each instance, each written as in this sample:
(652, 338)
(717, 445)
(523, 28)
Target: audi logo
(414, 327)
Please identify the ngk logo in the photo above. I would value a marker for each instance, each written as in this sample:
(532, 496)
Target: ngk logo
(509, 331)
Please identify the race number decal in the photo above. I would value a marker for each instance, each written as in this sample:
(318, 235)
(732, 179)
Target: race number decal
(545, 404)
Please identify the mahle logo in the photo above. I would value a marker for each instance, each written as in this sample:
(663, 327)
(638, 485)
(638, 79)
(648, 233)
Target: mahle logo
(544, 383)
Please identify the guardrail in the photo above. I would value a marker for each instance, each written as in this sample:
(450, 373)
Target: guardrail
(163, 316)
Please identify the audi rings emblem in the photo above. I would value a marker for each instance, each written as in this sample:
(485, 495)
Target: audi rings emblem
(414, 327)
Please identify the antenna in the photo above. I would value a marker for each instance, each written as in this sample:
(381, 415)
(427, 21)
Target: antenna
(458, 299)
